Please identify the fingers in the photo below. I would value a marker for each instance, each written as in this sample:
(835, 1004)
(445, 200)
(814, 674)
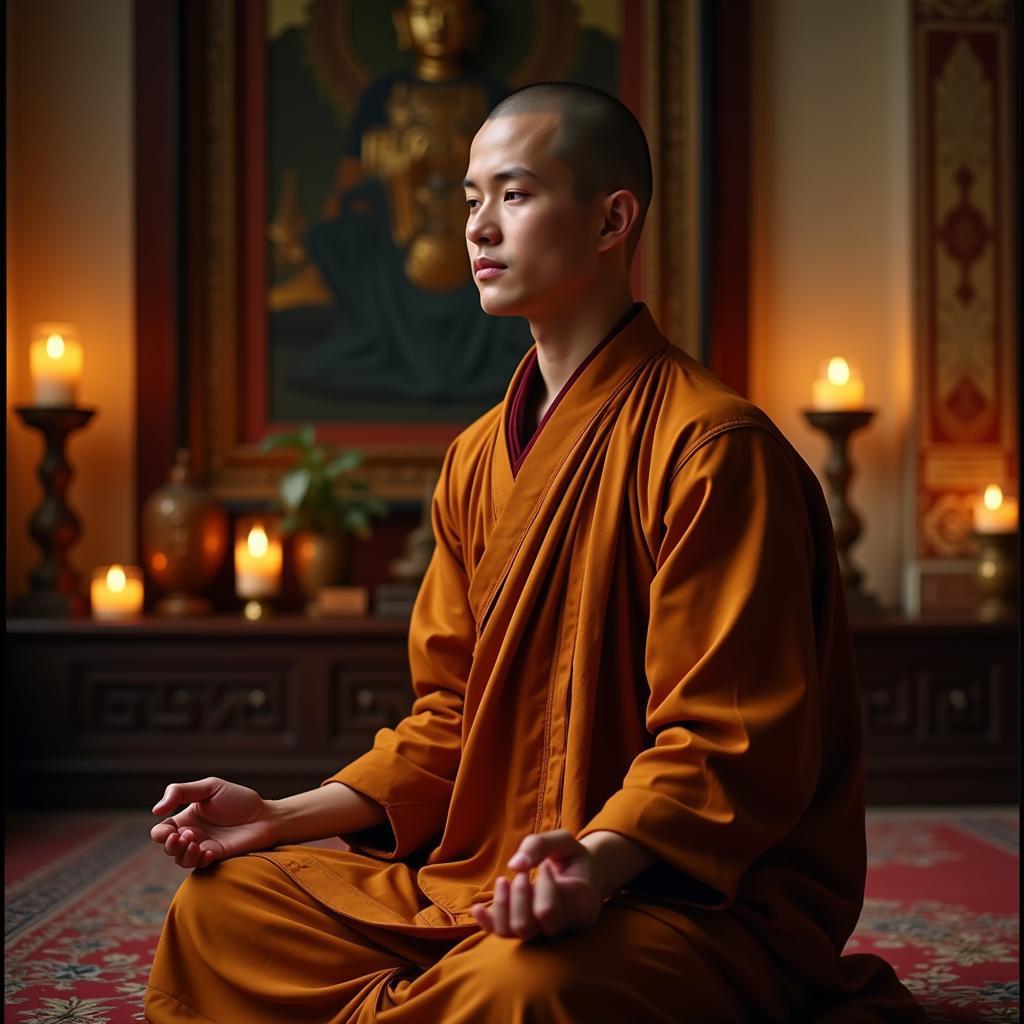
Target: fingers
(545, 900)
(558, 843)
(514, 910)
(483, 916)
(521, 921)
(499, 907)
(178, 793)
(185, 848)
(159, 833)
(189, 856)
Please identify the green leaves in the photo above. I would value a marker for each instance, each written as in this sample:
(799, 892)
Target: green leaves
(357, 521)
(317, 492)
(344, 463)
(295, 486)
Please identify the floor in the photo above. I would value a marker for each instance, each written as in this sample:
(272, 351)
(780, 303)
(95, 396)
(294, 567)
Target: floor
(86, 893)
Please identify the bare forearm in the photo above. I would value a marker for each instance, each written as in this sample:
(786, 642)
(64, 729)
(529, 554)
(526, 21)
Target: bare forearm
(618, 859)
(331, 810)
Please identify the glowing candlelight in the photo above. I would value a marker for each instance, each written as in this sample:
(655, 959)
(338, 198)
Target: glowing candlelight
(838, 387)
(116, 592)
(55, 363)
(994, 512)
(257, 559)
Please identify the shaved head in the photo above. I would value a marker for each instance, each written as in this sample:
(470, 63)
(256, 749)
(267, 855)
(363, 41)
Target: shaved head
(599, 139)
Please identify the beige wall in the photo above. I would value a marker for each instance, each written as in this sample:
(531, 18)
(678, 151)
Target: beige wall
(832, 229)
(70, 250)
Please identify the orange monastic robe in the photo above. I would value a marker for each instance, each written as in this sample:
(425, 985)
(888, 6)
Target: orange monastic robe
(642, 630)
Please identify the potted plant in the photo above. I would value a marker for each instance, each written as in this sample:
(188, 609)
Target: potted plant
(322, 504)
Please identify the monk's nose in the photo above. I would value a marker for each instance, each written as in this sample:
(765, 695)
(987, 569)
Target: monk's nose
(482, 232)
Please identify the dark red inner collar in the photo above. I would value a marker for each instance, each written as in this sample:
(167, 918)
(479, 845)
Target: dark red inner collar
(519, 436)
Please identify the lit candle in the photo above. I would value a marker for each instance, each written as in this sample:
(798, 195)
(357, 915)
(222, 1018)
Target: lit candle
(257, 559)
(994, 512)
(116, 592)
(55, 362)
(838, 387)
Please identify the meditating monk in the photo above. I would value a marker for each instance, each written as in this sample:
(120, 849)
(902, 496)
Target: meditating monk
(630, 787)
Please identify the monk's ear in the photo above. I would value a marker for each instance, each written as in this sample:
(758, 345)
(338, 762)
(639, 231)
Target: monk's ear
(620, 211)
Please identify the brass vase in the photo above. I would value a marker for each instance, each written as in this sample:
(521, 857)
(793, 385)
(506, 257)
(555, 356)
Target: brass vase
(996, 575)
(321, 560)
(185, 538)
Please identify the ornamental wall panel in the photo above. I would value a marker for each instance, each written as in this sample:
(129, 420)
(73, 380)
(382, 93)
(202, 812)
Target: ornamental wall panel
(965, 264)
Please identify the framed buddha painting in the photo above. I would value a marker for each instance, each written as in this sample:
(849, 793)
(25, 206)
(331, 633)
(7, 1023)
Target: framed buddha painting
(338, 288)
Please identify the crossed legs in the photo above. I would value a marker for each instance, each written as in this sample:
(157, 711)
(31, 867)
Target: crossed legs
(243, 943)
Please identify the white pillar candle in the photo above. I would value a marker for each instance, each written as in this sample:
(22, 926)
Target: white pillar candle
(116, 592)
(257, 558)
(55, 363)
(837, 388)
(994, 512)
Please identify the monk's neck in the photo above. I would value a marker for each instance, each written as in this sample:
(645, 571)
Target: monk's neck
(564, 342)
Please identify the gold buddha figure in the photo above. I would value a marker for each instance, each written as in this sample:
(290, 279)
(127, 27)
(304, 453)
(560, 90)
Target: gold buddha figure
(418, 149)
(375, 303)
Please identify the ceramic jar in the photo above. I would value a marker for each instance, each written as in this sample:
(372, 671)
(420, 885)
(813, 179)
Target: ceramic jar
(185, 538)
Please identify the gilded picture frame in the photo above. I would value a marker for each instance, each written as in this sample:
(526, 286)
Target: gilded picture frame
(661, 70)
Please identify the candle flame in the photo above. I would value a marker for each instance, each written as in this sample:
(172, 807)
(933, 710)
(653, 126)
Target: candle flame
(993, 497)
(116, 579)
(55, 346)
(257, 541)
(838, 371)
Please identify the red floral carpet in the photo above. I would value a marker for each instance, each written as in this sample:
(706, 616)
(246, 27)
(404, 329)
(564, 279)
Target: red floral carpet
(86, 895)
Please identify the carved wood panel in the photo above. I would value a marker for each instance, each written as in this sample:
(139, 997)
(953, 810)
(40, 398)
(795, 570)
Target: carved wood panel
(364, 700)
(937, 697)
(888, 702)
(962, 702)
(99, 716)
(202, 703)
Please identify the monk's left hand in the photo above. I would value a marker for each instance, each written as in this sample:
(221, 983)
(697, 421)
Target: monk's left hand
(567, 895)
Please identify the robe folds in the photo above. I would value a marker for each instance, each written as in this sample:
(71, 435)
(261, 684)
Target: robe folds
(641, 630)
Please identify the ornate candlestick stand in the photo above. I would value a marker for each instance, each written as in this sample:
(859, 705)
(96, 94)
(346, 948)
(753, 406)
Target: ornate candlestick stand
(54, 583)
(839, 424)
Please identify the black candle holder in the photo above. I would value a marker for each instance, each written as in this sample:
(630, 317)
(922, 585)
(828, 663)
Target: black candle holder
(838, 425)
(55, 586)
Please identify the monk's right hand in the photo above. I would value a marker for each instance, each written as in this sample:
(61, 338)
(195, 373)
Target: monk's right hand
(221, 820)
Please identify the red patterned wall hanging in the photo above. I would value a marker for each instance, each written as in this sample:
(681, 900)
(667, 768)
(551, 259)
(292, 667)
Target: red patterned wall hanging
(965, 303)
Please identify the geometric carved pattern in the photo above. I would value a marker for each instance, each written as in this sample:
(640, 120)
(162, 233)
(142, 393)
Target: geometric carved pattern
(961, 702)
(888, 702)
(364, 700)
(109, 719)
(931, 702)
(120, 702)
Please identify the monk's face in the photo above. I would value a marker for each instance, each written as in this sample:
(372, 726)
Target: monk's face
(531, 241)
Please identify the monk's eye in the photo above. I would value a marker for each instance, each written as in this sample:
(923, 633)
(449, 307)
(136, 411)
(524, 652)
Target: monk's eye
(513, 194)
(472, 203)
